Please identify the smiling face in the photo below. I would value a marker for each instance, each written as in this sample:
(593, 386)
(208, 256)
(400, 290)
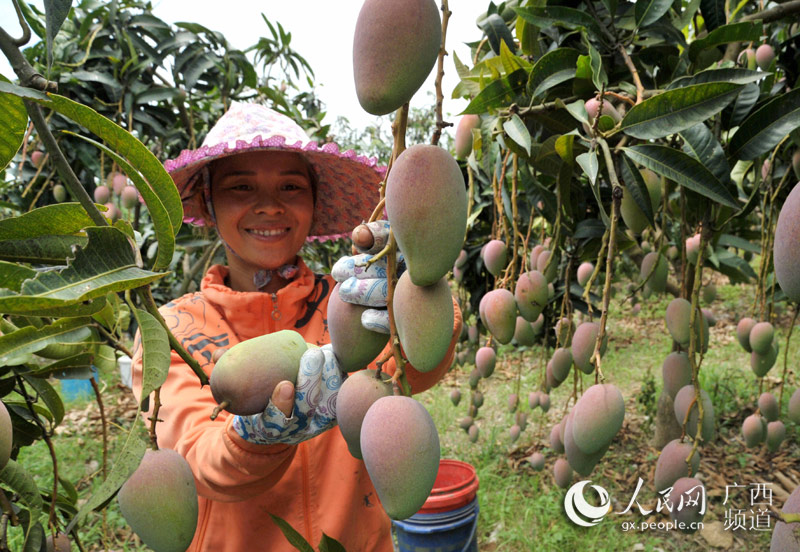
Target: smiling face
(263, 205)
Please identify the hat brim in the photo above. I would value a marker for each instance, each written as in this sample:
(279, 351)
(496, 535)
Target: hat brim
(347, 190)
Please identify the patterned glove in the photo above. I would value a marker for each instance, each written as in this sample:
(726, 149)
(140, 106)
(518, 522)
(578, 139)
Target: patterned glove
(318, 383)
(364, 285)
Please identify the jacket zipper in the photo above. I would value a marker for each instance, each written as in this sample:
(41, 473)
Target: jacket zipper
(276, 314)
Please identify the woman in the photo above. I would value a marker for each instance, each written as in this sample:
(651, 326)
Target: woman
(265, 189)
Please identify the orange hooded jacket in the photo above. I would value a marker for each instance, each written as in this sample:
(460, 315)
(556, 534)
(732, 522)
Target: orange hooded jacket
(316, 486)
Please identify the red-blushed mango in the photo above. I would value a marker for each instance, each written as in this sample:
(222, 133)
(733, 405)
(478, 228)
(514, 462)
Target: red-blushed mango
(583, 343)
(592, 106)
(676, 372)
(579, 461)
(37, 158)
(748, 59)
(534, 256)
(538, 325)
(354, 345)
(712, 320)
(474, 378)
(776, 432)
(455, 397)
(400, 446)
(562, 473)
(550, 381)
(544, 401)
(465, 423)
(671, 464)
(531, 294)
(426, 202)
(458, 274)
(709, 293)
(424, 319)
(485, 361)
(129, 197)
(764, 56)
(499, 314)
(598, 417)
(761, 337)
(543, 264)
(461, 260)
(514, 432)
(768, 406)
(693, 248)
(395, 46)
(245, 376)
(473, 433)
(786, 536)
(358, 392)
(561, 362)
(6, 435)
(794, 407)
(102, 194)
(678, 316)
(533, 399)
(521, 418)
(536, 460)
(753, 431)
(495, 257)
(658, 264)
(58, 543)
(464, 134)
(786, 254)
(477, 399)
(472, 334)
(523, 333)
(688, 502)
(631, 213)
(743, 329)
(761, 364)
(513, 401)
(683, 401)
(555, 439)
(585, 271)
(159, 501)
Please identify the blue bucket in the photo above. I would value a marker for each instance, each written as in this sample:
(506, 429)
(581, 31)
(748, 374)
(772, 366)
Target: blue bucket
(74, 389)
(453, 531)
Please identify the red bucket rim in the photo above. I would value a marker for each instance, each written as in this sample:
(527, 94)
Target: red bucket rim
(455, 495)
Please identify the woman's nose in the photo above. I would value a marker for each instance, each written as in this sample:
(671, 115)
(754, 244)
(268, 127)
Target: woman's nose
(267, 203)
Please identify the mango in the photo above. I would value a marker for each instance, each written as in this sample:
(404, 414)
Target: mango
(683, 401)
(631, 213)
(465, 423)
(499, 314)
(598, 417)
(688, 503)
(485, 360)
(353, 345)
(102, 194)
(358, 392)
(709, 293)
(455, 397)
(565, 328)
(59, 193)
(761, 364)
(424, 318)
(743, 329)
(658, 279)
(671, 464)
(464, 134)
(761, 337)
(555, 439)
(794, 407)
(548, 269)
(169, 523)
(786, 254)
(523, 332)
(585, 271)
(514, 432)
(544, 401)
(495, 257)
(401, 451)
(533, 399)
(426, 202)
(562, 473)
(58, 543)
(786, 536)
(764, 56)
(521, 419)
(561, 363)
(6, 435)
(776, 433)
(534, 256)
(530, 293)
(536, 460)
(583, 343)
(473, 433)
(676, 372)
(753, 430)
(768, 406)
(678, 316)
(129, 197)
(579, 461)
(243, 379)
(395, 46)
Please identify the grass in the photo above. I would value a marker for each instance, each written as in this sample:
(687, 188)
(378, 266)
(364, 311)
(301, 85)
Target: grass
(521, 509)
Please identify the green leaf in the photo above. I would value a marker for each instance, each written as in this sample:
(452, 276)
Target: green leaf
(16, 478)
(650, 11)
(745, 101)
(165, 233)
(294, 538)
(683, 169)
(636, 187)
(96, 76)
(735, 32)
(16, 347)
(736, 268)
(558, 15)
(701, 144)
(713, 13)
(58, 219)
(499, 92)
(106, 264)
(156, 352)
(12, 275)
(74, 367)
(762, 130)
(564, 148)
(678, 109)
(13, 123)
(86, 308)
(105, 359)
(511, 62)
(49, 397)
(578, 110)
(56, 12)
(599, 77)
(518, 132)
(729, 240)
(122, 468)
(496, 31)
(551, 69)
(588, 162)
(35, 539)
(329, 544)
(728, 74)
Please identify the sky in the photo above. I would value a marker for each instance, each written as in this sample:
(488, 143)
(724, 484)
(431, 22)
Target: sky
(322, 32)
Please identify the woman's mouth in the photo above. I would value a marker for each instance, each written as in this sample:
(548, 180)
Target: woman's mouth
(271, 233)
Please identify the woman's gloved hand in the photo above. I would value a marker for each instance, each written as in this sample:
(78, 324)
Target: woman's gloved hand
(367, 285)
(295, 414)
